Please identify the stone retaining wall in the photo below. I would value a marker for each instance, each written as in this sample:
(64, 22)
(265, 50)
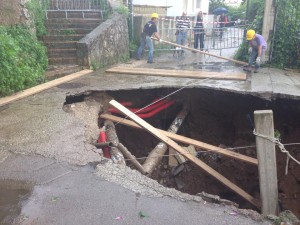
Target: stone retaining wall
(106, 45)
(13, 12)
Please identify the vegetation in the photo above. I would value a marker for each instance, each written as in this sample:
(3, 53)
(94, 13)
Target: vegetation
(23, 59)
(38, 16)
(286, 45)
(123, 10)
(284, 49)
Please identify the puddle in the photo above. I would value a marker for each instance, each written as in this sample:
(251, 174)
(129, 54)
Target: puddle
(13, 194)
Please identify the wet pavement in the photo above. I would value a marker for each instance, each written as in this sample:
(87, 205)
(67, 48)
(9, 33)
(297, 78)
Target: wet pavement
(40, 143)
(65, 194)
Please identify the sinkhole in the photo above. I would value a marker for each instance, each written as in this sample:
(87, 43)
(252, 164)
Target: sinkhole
(218, 118)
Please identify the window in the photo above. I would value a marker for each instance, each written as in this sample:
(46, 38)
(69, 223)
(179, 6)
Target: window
(198, 4)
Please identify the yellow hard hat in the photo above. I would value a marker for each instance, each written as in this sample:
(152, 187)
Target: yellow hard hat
(250, 34)
(154, 15)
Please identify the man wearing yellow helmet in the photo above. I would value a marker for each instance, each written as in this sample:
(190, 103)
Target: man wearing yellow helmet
(150, 29)
(258, 46)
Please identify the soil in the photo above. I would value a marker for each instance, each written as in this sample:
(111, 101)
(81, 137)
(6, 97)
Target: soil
(225, 120)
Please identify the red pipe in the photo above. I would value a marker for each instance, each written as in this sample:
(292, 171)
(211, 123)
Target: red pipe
(102, 139)
(134, 110)
(126, 103)
(155, 111)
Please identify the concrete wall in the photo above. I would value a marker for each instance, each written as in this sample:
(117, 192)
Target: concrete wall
(13, 12)
(106, 45)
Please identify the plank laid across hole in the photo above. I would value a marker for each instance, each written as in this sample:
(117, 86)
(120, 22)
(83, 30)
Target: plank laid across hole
(182, 151)
(186, 140)
(177, 73)
(202, 52)
(42, 87)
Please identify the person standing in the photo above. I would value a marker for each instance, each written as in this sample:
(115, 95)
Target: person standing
(258, 46)
(199, 32)
(182, 26)
(150, 29)
(222, 21)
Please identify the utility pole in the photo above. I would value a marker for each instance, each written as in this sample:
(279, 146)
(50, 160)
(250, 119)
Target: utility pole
(268, 25)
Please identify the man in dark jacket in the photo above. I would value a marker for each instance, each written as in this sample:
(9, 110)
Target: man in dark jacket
(222, 21)
(199, 32)
(150, 29)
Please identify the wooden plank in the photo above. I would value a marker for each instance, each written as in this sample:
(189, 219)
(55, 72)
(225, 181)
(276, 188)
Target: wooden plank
(177, 73)
(172, 160)
(202, 52)
(180, 150)
(186, 140)
(180, 159)
(42, 87)
(266, 162)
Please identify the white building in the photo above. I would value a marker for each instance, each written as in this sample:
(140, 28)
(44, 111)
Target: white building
(176, 7)
(233, 2)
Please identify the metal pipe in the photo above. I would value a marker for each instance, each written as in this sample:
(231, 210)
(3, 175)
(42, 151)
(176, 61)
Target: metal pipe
(157, 153)
(132, 158)
(104, 144)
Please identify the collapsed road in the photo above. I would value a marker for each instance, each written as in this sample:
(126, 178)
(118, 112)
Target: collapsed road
(39, 126)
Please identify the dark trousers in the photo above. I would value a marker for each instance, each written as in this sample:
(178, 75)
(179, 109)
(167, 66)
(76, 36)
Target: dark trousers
(199, 36)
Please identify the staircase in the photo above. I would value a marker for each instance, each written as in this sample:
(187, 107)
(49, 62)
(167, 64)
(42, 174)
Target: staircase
(65, 28)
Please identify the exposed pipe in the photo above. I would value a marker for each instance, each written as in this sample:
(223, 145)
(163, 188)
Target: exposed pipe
(104, 144)
(112, 137)
(153, 112)
(102, 139)
(144, 110)
(157, 153)
(132, 158)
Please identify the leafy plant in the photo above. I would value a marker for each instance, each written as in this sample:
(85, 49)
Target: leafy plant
(286, 45)
(123, 10)
(38, 15)
(23, 59)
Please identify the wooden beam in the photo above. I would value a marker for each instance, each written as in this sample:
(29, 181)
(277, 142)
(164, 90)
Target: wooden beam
(42, 87)
(266, 162)
(177, 73)
(186, 140)
(180, 150)
(202, 52)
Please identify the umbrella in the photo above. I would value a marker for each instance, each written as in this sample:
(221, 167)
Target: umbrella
(220, 10)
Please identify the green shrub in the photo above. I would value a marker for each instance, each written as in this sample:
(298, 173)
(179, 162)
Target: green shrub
(23, 59)
(38, 16)
(286, 45)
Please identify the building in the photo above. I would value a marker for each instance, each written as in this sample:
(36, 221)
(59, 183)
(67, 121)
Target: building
(233, 2)
(173, 7)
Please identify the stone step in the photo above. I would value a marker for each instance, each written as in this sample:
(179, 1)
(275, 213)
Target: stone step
(57, 71)
(61, 45)
(68, 31)
(74, 14)
(62, 60)
(62, 52)
(60, 38)
(62, 26)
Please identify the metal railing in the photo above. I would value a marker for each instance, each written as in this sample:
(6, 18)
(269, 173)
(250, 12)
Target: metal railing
(74, 5)
(214, 38)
